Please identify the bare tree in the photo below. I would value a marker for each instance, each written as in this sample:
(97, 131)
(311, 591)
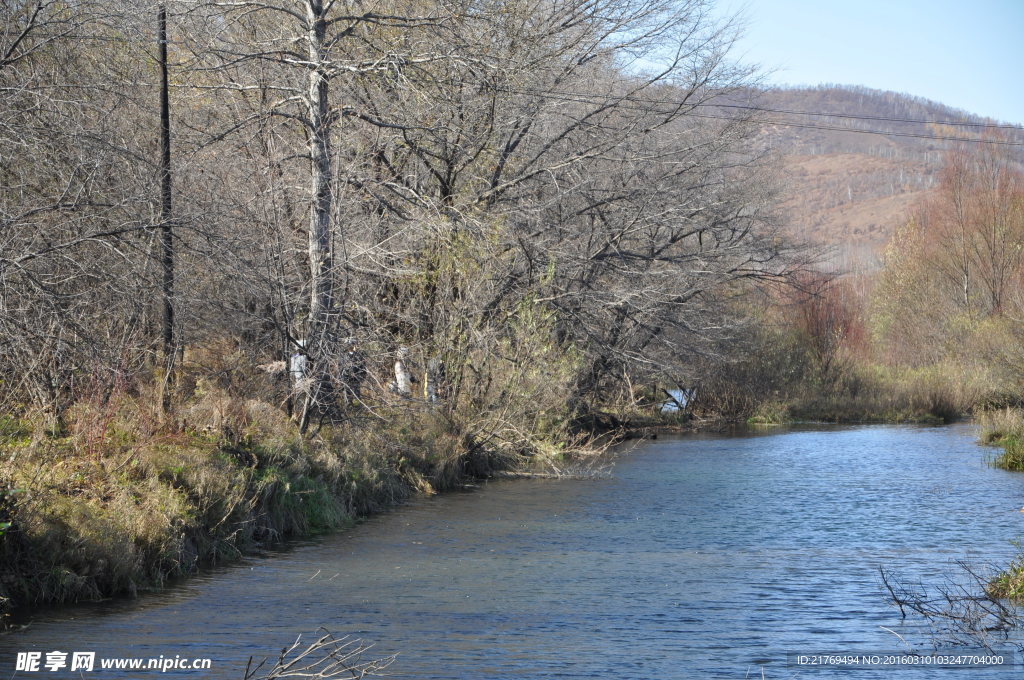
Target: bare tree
(75, 219)
(601, 191)
(488, 184)
(308, 46)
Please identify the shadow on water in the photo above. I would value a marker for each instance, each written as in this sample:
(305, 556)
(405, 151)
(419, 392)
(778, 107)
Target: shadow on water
(700, 556)
(175, 590)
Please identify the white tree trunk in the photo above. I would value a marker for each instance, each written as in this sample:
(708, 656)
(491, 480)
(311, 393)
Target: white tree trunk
(321, 331)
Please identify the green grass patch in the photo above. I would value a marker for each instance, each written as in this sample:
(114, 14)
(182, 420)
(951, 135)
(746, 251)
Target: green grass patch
(1009, 583)
(14, 431)
(122, 506)
(1012, 457)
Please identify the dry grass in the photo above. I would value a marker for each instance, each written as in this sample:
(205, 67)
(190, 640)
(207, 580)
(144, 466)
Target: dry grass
(1004, 427)
(113, 506)
(997, 425)
(865, 393)
(124, 496)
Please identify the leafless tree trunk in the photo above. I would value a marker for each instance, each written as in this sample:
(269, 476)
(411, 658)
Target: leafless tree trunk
(321, 326)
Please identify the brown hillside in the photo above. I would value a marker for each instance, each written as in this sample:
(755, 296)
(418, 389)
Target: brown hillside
(845, 188)
(852, 201)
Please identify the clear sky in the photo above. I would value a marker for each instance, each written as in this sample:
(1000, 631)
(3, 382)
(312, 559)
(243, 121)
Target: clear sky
(968, 54)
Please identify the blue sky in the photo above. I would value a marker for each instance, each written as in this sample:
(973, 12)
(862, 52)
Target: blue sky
(965, 53)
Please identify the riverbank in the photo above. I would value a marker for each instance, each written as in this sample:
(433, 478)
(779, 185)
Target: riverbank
(122, 502)
(120, 506)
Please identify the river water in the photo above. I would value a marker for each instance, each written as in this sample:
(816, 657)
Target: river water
(698, 556)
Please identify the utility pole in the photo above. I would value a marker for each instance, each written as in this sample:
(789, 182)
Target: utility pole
(166, 230)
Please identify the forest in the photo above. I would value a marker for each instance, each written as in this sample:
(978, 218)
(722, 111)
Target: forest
(268, 266)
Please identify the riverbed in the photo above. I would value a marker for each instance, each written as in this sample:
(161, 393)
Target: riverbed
(701, 556)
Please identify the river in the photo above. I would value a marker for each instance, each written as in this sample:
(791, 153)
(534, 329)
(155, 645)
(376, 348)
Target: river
(699, 556)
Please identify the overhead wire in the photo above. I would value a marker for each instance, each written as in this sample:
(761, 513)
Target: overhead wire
(837, 128)
(923, 121)
(596, 98)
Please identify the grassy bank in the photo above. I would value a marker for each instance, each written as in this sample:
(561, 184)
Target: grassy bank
(1004, 428)
(855, 392)
(121, 501)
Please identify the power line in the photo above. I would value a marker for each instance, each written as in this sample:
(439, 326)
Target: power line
(750, 107)
(812, 126)
(597, 99)
(1017, 128)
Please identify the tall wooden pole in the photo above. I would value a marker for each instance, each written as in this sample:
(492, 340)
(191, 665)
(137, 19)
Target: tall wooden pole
(166, 229)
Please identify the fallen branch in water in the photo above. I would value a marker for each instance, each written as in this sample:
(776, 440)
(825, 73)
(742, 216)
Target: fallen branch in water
(326, 658)
(961, 612)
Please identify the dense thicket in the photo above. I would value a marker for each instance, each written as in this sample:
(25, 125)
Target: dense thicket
(515, 189)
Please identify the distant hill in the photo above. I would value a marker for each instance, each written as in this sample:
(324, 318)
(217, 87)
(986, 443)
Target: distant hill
(849, 189)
